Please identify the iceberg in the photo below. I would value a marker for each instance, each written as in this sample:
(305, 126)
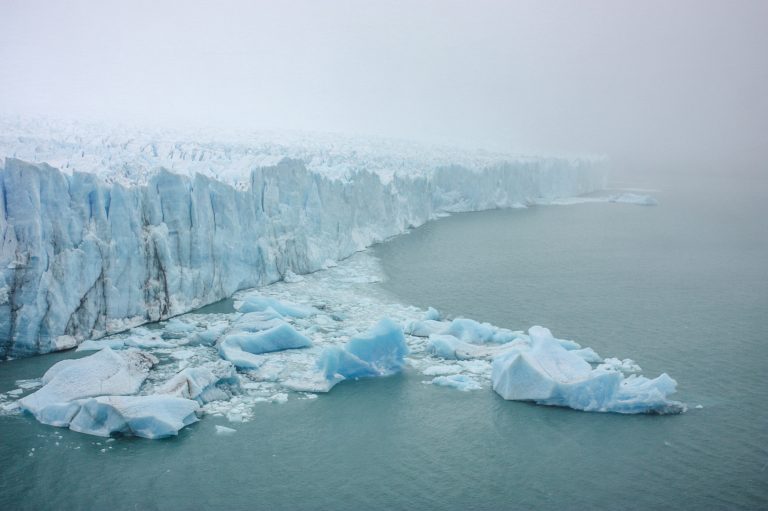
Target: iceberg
(471, 331)
(240, 346)
(457, 381)
(108, 236)
(106, 372)
(379, 352)
(547, 373)
(255, 303)
(426, 327)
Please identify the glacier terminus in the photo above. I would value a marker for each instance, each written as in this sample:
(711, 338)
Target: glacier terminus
(106, 231)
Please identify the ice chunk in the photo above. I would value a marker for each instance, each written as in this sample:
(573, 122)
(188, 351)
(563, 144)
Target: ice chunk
(458, 381)
(626, 366)
(378, 352)
(91, 345)
(239, 347)
(442, 370)
(212, 381)
(547, 373)
(634, 198)
(147, 342)
(257, 303)
(106, 372)
(451, 348)
(225, 431)
(210, 335)
(144, 416)
(471, 331)
(292, 278)
(432, 314)
(589, 355)
(426, 327)
(174, 328)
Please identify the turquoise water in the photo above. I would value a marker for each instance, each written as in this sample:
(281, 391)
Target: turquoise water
(681, 288)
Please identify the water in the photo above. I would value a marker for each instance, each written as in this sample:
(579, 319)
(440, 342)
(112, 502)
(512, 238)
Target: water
(681, 288)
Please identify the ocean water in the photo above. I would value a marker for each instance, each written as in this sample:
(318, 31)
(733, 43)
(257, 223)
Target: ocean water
(680, 288)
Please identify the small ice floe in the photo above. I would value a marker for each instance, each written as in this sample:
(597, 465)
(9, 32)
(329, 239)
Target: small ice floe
(457, 381)
(225, 431)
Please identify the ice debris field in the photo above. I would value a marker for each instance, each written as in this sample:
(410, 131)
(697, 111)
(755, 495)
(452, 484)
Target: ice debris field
(299, 338)
(106, 230)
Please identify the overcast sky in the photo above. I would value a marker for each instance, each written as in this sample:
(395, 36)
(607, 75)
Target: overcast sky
(659, 83)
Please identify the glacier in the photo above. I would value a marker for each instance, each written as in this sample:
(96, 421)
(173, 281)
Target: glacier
(104, 230)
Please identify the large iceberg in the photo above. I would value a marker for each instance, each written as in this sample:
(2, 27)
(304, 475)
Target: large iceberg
(106, 372)
(118, 230)
(93, 395)
(547, 373)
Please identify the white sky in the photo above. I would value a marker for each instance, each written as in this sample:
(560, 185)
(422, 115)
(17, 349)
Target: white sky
(651, 83)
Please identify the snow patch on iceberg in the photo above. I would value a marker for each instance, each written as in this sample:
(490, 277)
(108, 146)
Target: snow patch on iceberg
(105, 372)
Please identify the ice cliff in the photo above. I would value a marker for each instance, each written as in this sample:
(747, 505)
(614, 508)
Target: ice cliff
(130, 230)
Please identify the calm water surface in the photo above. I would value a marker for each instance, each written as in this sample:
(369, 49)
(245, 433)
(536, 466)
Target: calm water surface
(681, 288)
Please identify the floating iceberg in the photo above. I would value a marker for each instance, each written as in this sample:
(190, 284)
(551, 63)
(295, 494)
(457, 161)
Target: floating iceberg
(240, 346)
(634, 198)
(457, 381)
(471, 331)
(256, 303)
(106, 372)
(144, 416)
(547, 373)
(379, 352)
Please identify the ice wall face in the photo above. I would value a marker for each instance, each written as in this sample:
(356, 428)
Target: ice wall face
(83, 257)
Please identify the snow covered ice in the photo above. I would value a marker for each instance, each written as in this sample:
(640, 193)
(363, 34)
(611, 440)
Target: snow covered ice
(105, 230)
(106, 372)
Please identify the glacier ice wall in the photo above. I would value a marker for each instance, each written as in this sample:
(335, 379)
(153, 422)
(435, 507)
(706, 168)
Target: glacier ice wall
(83, 256)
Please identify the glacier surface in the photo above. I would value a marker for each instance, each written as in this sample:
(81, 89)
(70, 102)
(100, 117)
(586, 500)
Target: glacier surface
(104, 230)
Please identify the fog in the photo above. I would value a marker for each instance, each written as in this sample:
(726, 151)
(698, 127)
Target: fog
(656, 85)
